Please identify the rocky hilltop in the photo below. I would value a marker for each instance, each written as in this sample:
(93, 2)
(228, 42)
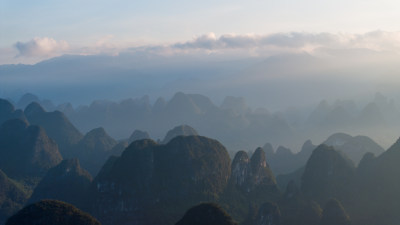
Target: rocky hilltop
(51, 212)
(166, 178)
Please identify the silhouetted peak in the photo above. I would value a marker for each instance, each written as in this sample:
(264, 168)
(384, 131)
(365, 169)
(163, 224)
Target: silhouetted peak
(206, 214)
(258, 159)
(337, 139)
(241, 157)
(14, 125)
(5, 107)
(183, 105)
(138, 135)
(334, 214)
(240, 168)
(159, 105)
(33, 108)
(26, 99)
(268, 214)
(179, 97)
(51, 212)
(283, 151)
(260, 171)
(308, 146)
(203, 102)
(395, 148)
(269, 150)
(182, 130)
(97, 132)
(328, 153)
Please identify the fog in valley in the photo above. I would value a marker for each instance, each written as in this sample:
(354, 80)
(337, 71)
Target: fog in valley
(199, 113)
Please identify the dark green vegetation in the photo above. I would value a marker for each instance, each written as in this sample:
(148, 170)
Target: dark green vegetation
(163, 179)
(67, 182)
(48, 212)
(12, 197)
(26, 151)
(327, 174)
(7, 111)
(93, 149)
(148, 178)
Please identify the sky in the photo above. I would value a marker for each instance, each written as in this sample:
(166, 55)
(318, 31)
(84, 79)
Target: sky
(31, 31)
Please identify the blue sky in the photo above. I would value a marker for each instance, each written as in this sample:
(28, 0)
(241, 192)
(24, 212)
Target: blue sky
(123, 24)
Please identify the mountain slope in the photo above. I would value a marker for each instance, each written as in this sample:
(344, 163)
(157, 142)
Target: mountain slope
(12, 197)
(51, 212)
(57, 126)
(165, 179)
(26, 151)
(66, 182)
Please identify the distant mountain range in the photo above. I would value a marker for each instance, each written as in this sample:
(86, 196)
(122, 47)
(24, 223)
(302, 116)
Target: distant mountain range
(345, 179)
(235, 124)
(167, 179)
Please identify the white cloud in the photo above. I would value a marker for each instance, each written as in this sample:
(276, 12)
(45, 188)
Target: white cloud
(297, 41)
(41, 47)
(227, 46)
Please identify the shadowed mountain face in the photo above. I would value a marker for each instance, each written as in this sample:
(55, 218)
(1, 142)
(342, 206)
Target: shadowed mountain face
(12, 197)
(166, 179)
(57, 126)
(7, 111)
(206, 213)
(51, 212)
(284, 161)
(26, 151)
(297, 209)
(66, 182)
(268, 214)
(378, 185)
(334, 214)
(327, 174)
